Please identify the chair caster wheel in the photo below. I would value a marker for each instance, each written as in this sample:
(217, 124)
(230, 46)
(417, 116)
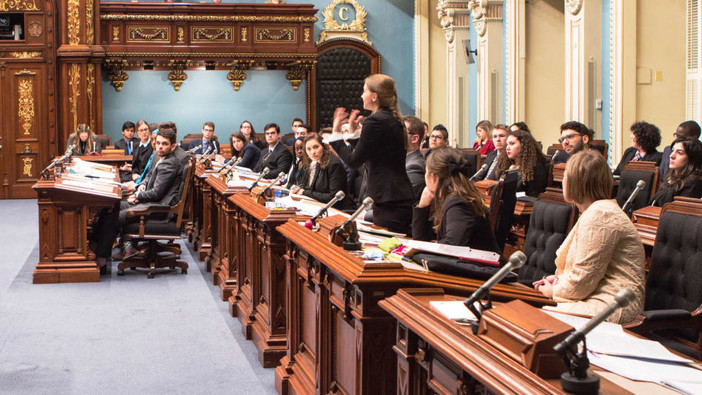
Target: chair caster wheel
(150, 275)
(132, 268)
(184, 271)
(120, 272)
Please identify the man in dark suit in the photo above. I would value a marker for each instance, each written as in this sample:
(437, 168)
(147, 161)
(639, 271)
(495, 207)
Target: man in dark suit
(296, 124)
(276, 157)
(128, 142)
(208, 143)
(690, 129)
(162, 187)
(499, 139)
(141, 153)
(414, 163)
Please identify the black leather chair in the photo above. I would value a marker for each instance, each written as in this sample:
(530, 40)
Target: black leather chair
(673, 306)
(631, 174)
(473, 157)
(158, 222)
(504, 197)
(550, 222)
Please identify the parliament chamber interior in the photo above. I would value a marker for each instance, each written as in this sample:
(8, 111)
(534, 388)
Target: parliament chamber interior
(351, 196)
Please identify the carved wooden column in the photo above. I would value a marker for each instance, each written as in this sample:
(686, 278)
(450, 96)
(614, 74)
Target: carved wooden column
(582, 58)
(79, 59)
(455, 18)
(487, 19)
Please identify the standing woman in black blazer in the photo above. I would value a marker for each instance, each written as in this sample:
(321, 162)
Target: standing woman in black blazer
(383, 149)
(523, 153)
(324, 174)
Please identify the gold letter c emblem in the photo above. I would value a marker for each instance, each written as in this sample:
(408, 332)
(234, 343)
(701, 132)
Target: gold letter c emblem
(342, 15)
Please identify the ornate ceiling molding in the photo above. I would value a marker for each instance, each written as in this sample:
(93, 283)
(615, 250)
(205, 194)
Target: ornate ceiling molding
(208, 18)
(453, 15)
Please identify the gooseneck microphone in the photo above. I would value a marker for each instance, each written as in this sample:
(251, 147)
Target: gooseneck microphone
(516, 260)
(66, 155)
(265, 171)
(337, 197)
(639, 187)
(621, 299)
(195, 148)
(281, 177)
(577, 379)
(480, 171)
(229, 166)
(351, 243)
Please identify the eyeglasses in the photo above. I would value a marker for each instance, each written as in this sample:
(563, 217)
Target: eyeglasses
(436, 137)
(568, 137)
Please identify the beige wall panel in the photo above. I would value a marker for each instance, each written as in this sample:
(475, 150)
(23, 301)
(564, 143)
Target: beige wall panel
(545, 69)
(438, 91)
(660, 48)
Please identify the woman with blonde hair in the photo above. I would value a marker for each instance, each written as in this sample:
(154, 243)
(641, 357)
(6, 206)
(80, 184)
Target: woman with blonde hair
(602, 253)
(461, 217)
(382, 148)
(483, 143)
(84, 139)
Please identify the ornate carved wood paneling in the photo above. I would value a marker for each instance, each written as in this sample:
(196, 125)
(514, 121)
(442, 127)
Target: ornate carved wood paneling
(27, 114)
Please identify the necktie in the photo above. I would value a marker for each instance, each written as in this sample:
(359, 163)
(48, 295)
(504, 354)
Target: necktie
(129, 148)
(637, 157)
(145, 172)
(491, 170)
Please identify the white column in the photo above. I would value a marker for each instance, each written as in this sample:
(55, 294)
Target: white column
(421, 58)
(487, 19)
(514, 61)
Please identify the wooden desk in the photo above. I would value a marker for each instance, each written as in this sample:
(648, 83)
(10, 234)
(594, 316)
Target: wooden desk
(112, 160)
(202, 207)
(65, 213)
(258, 299)
(437, 355)
(520, 225)
(339, 339)
(221, 258)
(646, 221)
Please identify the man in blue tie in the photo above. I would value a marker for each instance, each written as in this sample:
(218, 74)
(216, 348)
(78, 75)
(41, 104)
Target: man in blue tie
(276, 157)
(208, 143)
(128, 142)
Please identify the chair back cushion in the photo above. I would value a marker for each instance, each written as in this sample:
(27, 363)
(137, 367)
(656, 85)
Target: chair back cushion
(627, 184)
(675, 276)
(507, 201)
(548, 227)
(473, 158)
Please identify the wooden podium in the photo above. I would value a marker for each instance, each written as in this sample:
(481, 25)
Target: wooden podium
(339, 338)
(65, 210)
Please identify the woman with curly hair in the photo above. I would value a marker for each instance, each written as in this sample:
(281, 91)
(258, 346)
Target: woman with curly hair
(684, 177)
(323, 175)
(523, 153)
(483, 143)
(461, 217)
(645, 138)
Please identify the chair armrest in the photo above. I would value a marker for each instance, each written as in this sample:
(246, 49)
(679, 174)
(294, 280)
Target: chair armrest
(527, 199)
(656, 320)
(150, 209)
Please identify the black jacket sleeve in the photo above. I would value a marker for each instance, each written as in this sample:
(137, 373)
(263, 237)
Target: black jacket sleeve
(422, 226)
(328, 182)
(538, 184)
(458, 225)
(250, 156)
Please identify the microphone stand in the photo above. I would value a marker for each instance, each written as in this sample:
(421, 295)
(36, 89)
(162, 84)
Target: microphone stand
(352, 242)
(577, 379)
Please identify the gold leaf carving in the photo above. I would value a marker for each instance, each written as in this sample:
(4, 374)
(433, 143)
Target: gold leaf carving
(90, 79)
(27, 169)
(213, 54)
(89, 28)
(307, 35)
(73, 17)
(116, 74)
(177, 74)
(35, 29)
(157, 33)
(244, 34)
(25, 104)
(332, 28)
(115, 33)
(203, 33)
(74, 83)
(296, 74)
(237, 74)
(25, 55)
(281, 35)
(18, 5)
(209, 18)
(181, 34)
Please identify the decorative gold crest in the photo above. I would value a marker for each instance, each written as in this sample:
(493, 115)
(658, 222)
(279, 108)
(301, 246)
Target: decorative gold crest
(25, 104)
(344, 18)
(27, 170)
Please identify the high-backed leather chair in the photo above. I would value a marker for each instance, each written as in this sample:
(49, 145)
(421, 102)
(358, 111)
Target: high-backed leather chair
(158, 222)
(631, 174)
(673, 306)
(550, 222)
(473, 157)
(103, 141)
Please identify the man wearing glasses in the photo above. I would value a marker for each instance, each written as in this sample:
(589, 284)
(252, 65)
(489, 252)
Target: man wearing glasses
(689, 129)
(575, 137)
(276, 157)
(438, 138)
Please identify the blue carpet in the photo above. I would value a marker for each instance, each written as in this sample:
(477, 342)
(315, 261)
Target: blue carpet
(126, 334)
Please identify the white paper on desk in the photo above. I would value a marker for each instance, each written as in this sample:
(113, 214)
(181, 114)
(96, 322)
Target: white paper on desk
(240, 183)
(686, 387)
(646, 370)
(609, 338)
(80, 184)
(453, 310)
(383, 232)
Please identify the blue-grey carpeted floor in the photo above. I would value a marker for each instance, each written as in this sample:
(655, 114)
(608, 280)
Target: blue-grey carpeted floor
(126, 334)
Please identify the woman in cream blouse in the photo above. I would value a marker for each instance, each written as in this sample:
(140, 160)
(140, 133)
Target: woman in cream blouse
(602, 253)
